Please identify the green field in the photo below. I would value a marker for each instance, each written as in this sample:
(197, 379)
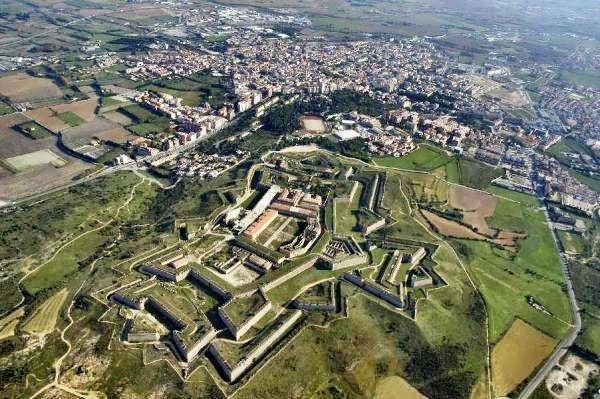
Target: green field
(402, 350)
(425, 158)
(572, 243)
(33, 130)
(591, 182)
(56, 272)
(71, 118)
(194, 90)
(345, 219)
(453, 172)
(476, 174)
(525, 199)
(189, 97)
(145, 129)
(568, 144)
(579, 78)
(506, 279)
(590, 338)
(586, 278)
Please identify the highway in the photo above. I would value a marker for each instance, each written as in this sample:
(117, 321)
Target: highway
(568, 340)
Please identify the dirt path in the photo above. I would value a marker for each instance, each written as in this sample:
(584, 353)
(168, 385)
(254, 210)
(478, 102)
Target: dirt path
(487, 326)
(58, 363)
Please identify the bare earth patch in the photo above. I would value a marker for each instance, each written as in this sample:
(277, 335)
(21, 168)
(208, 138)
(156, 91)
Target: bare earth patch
(569, 379)
(85, 109)
(47, 118)
(476, 206)
(21, 88)
(450, 228)
(313, 124)
(396, 387)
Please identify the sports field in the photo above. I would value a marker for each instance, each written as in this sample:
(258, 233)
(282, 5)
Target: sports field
(44, 317)
(312, 124)
(34, 159)
(517, 355)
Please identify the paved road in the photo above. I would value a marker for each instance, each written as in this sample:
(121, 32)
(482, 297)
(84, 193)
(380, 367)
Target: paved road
(567, 341)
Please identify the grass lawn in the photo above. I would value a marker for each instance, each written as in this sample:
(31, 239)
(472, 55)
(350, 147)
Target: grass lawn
(5, 108)
(505, 279)
(425, 158)
(108, 101)
(525, 199)
(590, 337)
(191, 97)
(476, 174)
(572, 243)
(145, 129)
(70, 118)
(579, 78)
(568, 144)
(33, 130)
(345, 219)
(452, 172)
(140, 114)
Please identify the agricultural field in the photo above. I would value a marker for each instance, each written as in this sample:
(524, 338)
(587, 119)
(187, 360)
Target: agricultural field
(43, 319)
(20, 88)
(523, 198)
(509, 366)
(70, 118)
(62, 116)
(41, 178)
(475, 205)
(580, 78)
(506, 279)
(46, 117)
(145, 122)
(476, 174)
(194, 90)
